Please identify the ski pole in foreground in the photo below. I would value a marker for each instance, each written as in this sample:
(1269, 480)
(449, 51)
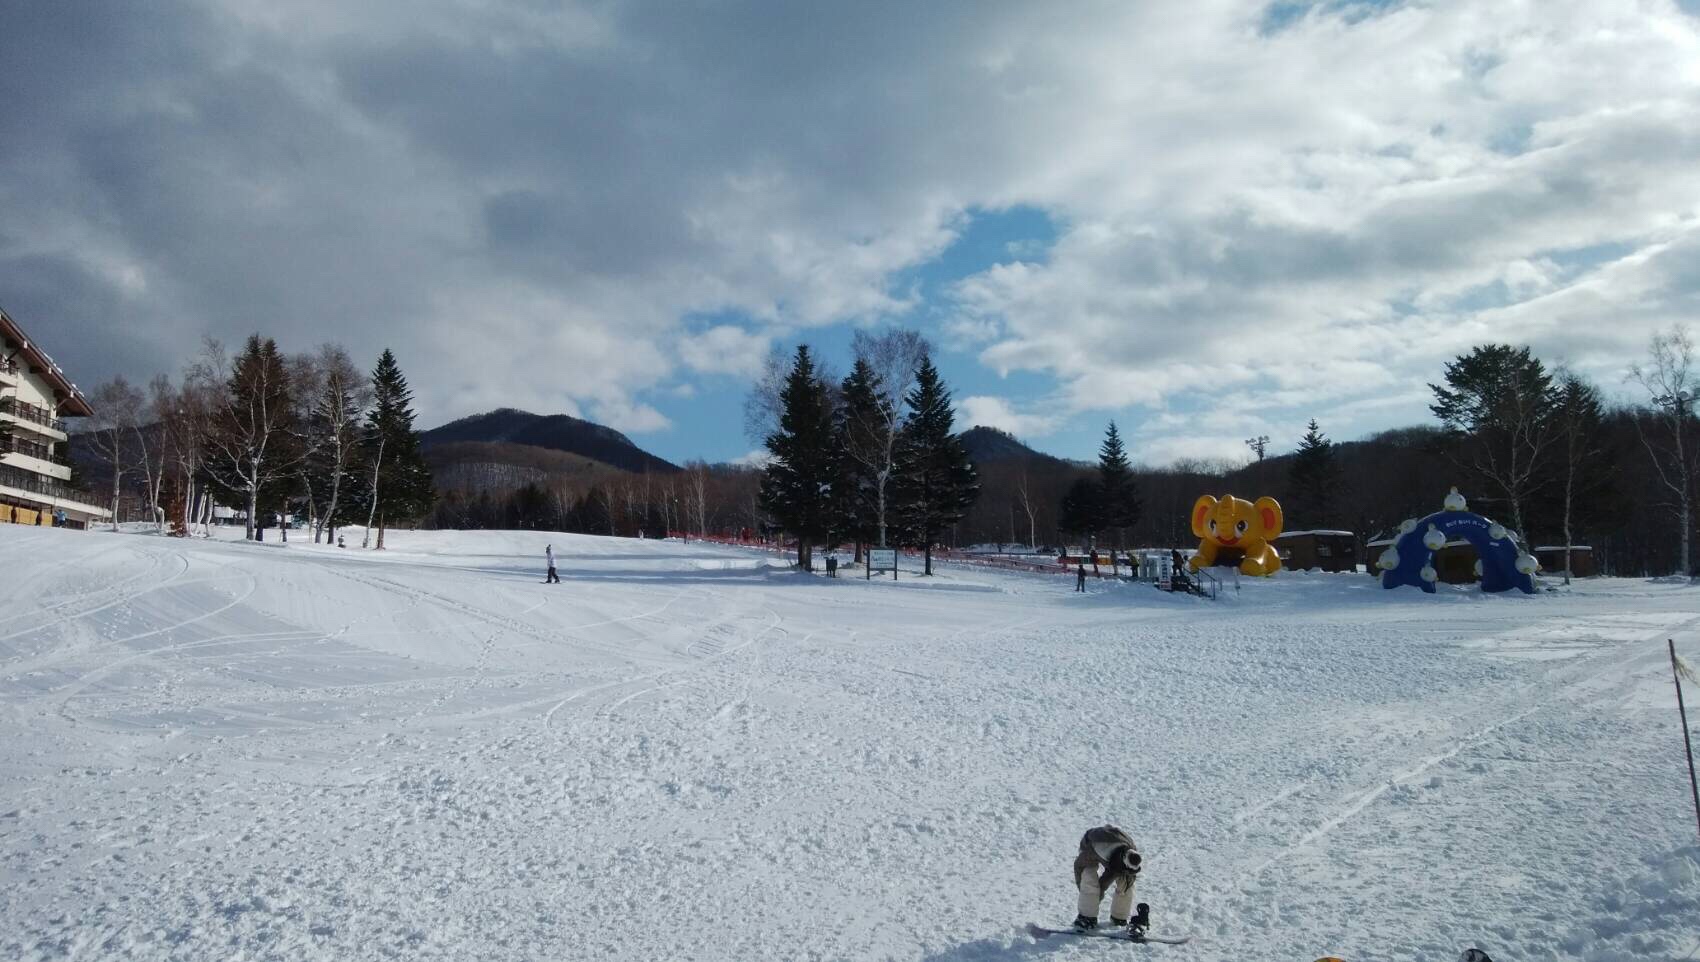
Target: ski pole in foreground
(1678, 668)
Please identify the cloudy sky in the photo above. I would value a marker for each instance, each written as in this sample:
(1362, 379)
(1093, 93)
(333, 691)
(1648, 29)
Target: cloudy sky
(1205, 219)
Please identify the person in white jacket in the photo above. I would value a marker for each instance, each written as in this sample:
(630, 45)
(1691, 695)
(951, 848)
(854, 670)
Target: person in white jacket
(549, 556)
(1109, 858)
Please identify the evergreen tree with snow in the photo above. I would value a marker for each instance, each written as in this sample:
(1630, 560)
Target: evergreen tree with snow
(797, 484)
(1118, 502)
(1313, 481)
(396, 482)
(937, 482)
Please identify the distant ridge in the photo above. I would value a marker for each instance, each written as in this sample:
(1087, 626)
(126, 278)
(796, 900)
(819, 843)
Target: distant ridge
(986, 445)
(556, 432)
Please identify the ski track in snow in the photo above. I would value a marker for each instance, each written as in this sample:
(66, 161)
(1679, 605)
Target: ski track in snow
(219, 750)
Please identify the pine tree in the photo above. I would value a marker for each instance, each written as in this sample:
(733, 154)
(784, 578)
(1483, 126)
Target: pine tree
(797, 484)
(937, 482)
(397, 481)
(1497, 406)
(1119, 505)
(860, 411)
(1313, 480)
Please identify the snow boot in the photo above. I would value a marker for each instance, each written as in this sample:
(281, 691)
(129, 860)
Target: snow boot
(1084, 922)
(1141, 921)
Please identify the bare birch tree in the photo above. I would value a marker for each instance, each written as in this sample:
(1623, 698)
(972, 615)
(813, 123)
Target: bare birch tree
(186, 424)
(1577, 418)
(1669, 379)
(252, 444)
(894, 356)
(151, 446)
(696, 487)
(115, 406)
(372, 510)
(343, 393)
(1024, 497)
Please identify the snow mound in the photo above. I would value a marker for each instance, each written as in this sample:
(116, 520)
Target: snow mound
(1649, 915)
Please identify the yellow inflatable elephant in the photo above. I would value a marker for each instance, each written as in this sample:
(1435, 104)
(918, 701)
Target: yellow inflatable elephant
(1239, 524)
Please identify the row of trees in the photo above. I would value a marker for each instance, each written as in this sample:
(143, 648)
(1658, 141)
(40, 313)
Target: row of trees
(1536, 446)
(871, 460)
(702, 500)
(307, 434)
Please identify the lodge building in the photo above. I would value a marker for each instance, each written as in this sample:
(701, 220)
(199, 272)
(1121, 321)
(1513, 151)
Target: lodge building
(35, 468)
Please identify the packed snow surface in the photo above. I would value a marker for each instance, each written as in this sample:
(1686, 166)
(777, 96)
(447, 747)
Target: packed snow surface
(219, 750)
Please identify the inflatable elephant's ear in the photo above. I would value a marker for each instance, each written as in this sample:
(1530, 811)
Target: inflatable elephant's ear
(1201, 515)
(1269, 512)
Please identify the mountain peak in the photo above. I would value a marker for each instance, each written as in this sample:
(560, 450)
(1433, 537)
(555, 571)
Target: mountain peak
(985, 444)
(557, 432)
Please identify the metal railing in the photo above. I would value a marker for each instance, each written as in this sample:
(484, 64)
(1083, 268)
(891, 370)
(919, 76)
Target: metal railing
(8, 367)
(30, 412)
(14, 477)
(10, 444)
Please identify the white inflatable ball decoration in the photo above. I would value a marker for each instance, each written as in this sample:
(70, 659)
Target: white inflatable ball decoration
(1389, 559)
(1429, 574)
(1527, 564)
(1496, 531)
(1433, 540)
(1454, 501)
(1478, 569)
(1408, 525)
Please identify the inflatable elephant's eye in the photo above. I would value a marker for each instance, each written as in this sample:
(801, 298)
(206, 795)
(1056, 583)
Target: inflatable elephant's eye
(1240, 527)
(1212, 525)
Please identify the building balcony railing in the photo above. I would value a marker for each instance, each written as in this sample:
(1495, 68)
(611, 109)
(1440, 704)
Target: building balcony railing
(12, 477)
(8, 367)
(30, 412)
(16, 445)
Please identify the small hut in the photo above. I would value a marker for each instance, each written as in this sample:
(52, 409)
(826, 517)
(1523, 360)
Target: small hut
(1327, 550)
(1372, 554)
(1551, 558)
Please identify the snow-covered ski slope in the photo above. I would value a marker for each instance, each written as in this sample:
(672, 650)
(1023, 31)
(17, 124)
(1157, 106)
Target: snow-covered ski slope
(215, 750)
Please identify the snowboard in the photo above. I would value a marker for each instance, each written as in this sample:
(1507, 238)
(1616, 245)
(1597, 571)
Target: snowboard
(1116, 935)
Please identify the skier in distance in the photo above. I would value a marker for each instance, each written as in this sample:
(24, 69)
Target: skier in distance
(549, 555)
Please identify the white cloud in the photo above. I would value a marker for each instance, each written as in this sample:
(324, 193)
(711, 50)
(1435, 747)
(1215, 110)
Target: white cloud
(1303, 223)
(756, 458)
(725, 350)
(624, 415)
(996, 412)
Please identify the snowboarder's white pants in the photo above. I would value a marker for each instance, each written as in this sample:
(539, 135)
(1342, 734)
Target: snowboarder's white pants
(1121, 904)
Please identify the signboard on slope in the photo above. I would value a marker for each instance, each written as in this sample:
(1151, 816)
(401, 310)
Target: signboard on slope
(882, 559)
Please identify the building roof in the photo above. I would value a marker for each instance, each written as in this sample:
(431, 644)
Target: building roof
(71, 402)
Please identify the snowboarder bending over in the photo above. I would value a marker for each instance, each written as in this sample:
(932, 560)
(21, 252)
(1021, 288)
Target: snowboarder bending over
(1108, 858)
(549, 555)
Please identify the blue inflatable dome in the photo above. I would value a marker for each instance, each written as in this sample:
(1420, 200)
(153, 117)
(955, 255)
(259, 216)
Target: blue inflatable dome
(1411, 559)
